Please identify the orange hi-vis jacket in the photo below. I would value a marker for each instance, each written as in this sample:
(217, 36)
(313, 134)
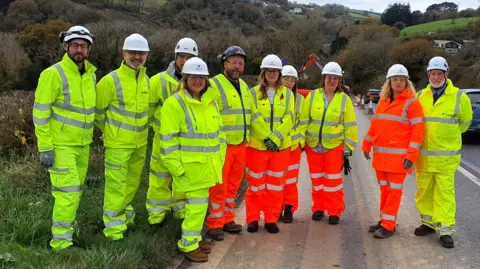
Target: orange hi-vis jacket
(396, 133)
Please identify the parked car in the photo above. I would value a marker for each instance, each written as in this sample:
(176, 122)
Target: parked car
(376, 95)
(474, 95)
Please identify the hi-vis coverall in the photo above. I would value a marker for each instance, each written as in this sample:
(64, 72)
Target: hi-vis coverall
(122, 115)
(331, 127)
(63, 114)
(266, 169)
(193, 147)
(290, 193)
(440, 156)
(236, 110)
(396, 133)
(160, 197)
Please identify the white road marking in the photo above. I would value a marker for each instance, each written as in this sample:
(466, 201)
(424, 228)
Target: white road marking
(469, 175)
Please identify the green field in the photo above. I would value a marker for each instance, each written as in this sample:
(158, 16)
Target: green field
(357, 15)
(437, 26)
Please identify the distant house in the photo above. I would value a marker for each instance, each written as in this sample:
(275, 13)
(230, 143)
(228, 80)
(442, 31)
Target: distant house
(447, 45)
(296, 10)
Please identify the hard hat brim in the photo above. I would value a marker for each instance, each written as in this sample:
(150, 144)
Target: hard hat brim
(77, 36)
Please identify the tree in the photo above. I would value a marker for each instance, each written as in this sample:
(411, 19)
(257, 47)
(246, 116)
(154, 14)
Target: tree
(13, 62)
(443, 7)
(467, 13)
(399, 25)
(416, 17)
(414, 55)
(397, 12)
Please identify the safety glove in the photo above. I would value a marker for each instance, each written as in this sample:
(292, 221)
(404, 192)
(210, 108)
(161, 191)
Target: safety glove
(346, 165)
(46, 158)
(347, 152)
(407, 164)
(270, 144)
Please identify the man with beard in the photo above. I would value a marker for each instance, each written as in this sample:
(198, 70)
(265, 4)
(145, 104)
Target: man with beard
(448, 113)
(237, 110)
(122, 115)
(63, 115)
(160, 198)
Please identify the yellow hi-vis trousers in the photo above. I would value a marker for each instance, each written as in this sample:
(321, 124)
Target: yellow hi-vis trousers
(195, 213)
(123, 170)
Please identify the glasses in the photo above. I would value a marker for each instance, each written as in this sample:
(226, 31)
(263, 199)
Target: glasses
(78, 46)
(241, 63)
(398, 80)
(272, 70)
(141, 53)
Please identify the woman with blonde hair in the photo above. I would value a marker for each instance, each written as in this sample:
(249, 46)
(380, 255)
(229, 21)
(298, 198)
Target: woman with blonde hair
(193, 146)
(268, 150)
(395, 133)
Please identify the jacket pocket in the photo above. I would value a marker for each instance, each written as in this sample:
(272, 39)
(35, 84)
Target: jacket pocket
(197, 169)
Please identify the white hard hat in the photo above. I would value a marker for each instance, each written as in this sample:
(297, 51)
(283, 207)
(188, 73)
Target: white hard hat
(289, 71)
(271, 61)
(136, 42)
(332, 68)
(77, 32)
(188, 46)
(195, 66)
(437, 63)
(397, 70)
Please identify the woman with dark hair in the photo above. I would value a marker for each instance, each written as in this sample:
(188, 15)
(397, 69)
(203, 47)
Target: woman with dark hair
(331, 135)
(268, 150)
(297, 136)
(193, 146)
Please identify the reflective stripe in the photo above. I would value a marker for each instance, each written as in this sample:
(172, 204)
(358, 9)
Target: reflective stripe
(466, 122)
(278, 135)
(67, 189)
(440, 152)
(67, 236)
(389, 150)
(446, 230)
(80, 110)
(59, 170)
(291, 181)
(169, 149)
(367, 137)
(42, 107)
(114, 223)
(188, 119)
(230, 200)
(333, 176)
(395, 185)
(39, 121)
(318, 187)
(215, 206)
(118, 166)
(297, 107)
(200, 148)
(382, 116)
(254, 175)
(156, 122)
(255, 116)
(275, 174)
(155, 210)
(164, 86)
(298, 136)
(414, 145)
(333, 189)
(197, 201)
(227, 209)
(179, 207)
(72, 122)
(234, 128)
(168, 136)
(65, 85)
(126, 126)
(191, 233)
(351, 142)
(330, 136)
(275, 119)
(416, 120)
(442, 120)
(407, 105)
(222, 94)
(216, 215)
(274, 187)
(317, 175)
(234, 112)
(387, 217)
(160, 174)
(133, 115)
(223, 140)
(457, 104)
(256, 189)
(190, 135)
(61, 224)
(382, 182)
(187, 243)
(293, 167)
(119, 90)
(254, 95)
(113, 214)
(158, 202)
(349, 124)
(130, 214)
(425, 217)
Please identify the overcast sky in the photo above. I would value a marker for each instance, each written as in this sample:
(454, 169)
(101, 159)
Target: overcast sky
(381, 5)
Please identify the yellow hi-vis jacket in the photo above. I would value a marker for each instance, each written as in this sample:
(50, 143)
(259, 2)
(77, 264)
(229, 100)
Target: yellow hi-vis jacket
(192, 143)
(162, 86)
(64, 108)
(122, 108)
(276, 118)
(335, 124)
(299, 127)
(445, 121)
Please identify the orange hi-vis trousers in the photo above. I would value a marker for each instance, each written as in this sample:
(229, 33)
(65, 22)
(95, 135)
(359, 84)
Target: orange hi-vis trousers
(290, 193)
(327, 180)
(391, 188)
(222, 196)
(266, 172)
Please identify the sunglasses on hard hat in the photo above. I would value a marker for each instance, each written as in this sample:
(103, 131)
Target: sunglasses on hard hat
(79, 32)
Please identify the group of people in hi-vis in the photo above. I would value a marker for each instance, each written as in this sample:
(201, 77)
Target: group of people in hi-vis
(209, 133)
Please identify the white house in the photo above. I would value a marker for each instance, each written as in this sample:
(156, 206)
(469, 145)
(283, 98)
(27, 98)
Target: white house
(448, 45)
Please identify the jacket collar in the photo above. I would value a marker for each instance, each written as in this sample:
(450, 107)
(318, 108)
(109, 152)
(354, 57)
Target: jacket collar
(125, 70)
(72, 66)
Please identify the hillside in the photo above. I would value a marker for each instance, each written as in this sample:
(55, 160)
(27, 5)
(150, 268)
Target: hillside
(437, 26)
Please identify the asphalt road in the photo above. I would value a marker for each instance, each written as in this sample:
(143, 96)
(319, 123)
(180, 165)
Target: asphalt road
(309, 244)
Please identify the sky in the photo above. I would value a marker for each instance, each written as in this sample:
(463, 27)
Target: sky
(381, 5)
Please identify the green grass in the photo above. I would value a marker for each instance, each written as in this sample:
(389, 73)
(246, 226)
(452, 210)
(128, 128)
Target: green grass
(356, 15)
(436, 26)
(25, 210)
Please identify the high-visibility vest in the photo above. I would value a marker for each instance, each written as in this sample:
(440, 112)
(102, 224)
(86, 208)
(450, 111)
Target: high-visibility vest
(396, 133)
(276, 117)
(162, 86)
(64, 108)
(122, 108)
(235, 109)
(192, 144)
(445, 121)
(299, 127)
(335, 124)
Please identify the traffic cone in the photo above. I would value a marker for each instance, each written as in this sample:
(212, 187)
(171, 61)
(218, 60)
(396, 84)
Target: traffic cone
(370, 108)
(362, 104)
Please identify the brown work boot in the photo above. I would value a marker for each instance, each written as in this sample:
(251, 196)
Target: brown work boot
(216, 234)
(373, 228)
(382, 233)
(232, 227)
(206, 245)
(196, 255)
(423, 230)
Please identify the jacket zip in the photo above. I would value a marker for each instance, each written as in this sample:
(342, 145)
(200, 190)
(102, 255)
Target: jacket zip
(194, 119)
(271, 113)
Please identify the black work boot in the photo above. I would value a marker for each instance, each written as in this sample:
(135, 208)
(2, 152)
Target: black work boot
(373, 228)
(318, 215)
(423, 230)
(272, 227)
(287, 214)
(382, 233)
(252, 227)
(216, 234)
(334, 220)
(232, 227)
(447, 241)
